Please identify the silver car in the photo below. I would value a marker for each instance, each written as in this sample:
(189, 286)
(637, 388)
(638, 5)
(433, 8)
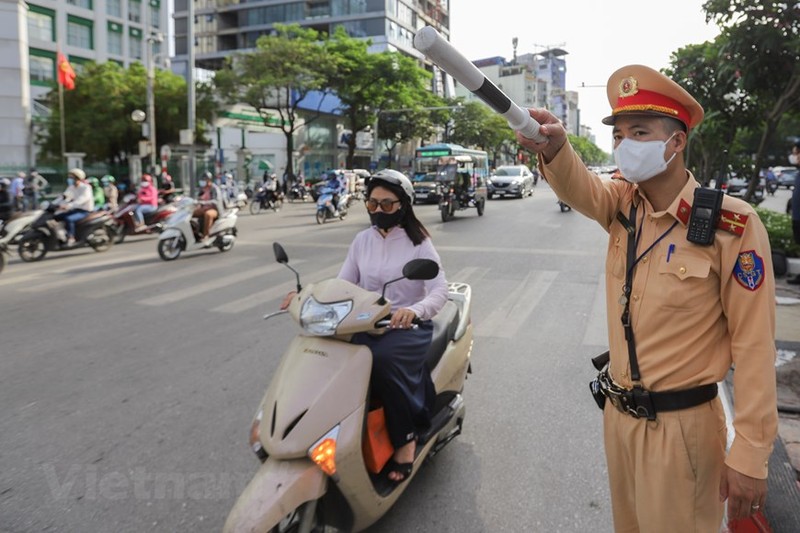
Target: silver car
(513, 180)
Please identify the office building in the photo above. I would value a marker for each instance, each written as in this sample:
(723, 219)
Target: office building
(84, 30)
(223, 27)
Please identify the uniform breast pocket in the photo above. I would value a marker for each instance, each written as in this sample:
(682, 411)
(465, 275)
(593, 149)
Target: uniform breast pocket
(615, 260)
(686, 282)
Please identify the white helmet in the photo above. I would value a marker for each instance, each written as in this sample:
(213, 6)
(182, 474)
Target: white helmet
(394, 177)
(77, 173)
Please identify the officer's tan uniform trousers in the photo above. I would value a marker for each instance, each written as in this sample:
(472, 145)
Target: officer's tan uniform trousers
(661, 474)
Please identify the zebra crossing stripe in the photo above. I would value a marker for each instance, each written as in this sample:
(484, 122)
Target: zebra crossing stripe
(506, 320)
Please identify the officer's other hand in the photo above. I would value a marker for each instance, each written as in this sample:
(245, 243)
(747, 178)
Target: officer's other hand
(746, 495)
(552, 128)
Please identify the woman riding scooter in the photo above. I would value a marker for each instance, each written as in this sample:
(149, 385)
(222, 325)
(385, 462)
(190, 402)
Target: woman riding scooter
(210, 198)
(400, 378)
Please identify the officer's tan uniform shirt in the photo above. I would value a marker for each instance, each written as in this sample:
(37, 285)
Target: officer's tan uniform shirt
(692, 320)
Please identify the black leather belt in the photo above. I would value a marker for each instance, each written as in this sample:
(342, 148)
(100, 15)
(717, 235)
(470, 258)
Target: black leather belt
(641, 403)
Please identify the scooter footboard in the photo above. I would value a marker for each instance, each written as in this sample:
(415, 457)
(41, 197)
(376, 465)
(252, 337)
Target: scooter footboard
(278, 487)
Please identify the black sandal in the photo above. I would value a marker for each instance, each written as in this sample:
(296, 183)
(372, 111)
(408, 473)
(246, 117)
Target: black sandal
(404, 469)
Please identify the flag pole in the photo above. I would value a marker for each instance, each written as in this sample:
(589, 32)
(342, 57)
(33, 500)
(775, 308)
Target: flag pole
(61, 116)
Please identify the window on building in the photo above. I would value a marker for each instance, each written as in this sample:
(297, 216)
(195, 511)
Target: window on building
(86, 4)
(40, 24)
(134, 10)
(155, 13)
(365, 28)
(115, 38)
(135, 43)
(78, 64)
(79, 32)
(114, 8)
(42, 67)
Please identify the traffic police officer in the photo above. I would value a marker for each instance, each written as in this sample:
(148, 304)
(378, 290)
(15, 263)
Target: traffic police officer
(689, 313)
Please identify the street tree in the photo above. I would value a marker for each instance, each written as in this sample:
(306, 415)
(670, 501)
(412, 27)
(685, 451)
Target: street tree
(367, 84)
(397, 128)
(470, 124)
(589, 152)
(97, 112)
(769, 70)
(276, 78)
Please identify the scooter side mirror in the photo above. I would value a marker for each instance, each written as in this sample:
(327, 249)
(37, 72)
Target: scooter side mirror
(421, 269)
(280, 253)
(282, 258)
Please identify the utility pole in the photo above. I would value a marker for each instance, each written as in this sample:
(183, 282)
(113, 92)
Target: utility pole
(191, 92)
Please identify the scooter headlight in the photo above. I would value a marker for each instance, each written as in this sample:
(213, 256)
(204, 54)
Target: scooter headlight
(323, 319)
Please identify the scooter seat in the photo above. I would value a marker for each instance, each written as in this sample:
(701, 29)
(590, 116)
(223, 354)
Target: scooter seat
(445, 324)
(94, 215)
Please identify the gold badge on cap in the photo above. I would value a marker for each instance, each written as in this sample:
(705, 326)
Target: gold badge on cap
(628, 87)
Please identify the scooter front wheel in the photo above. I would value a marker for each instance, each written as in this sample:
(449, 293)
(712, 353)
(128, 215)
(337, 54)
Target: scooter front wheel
(101, 239)
(3, 261)
(303, 518)
(255, 207)
(32, 249)
(170, 249)
(119, 232)
(320, 217)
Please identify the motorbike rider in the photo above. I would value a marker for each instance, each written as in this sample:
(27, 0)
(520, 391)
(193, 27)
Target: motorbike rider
(78, 202)
(270, 189)
(400, 377)
(147, 198)
(5, 199)
(210, 200)
(97, 192)
(167, 187)
(335, 184)
(110, 190)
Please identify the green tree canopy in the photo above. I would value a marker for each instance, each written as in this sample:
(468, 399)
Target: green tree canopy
(277, 77)
(97, 114)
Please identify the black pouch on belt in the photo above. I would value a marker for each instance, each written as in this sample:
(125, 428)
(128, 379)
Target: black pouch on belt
(601, 364)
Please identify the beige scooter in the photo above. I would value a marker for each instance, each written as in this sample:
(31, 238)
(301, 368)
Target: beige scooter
(309, 428)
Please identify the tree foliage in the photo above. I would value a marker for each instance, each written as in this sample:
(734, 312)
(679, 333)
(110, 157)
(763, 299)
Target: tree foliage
(587, 150)
(367, 84)
(97, 114)
(760, 49)
(277, 77)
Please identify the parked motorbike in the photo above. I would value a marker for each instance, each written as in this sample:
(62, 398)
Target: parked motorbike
(125, 219)
(298, 192)
(325, 208)
(309, 427)
(48, 235)
(182, 232)
(12, 230)
(264, 199)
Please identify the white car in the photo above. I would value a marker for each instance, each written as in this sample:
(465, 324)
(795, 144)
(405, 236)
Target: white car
(512, 180)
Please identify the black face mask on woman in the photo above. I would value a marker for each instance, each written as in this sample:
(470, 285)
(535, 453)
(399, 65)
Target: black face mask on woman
(385, 221)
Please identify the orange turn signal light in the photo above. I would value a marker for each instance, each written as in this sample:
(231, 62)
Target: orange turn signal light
(324, 455)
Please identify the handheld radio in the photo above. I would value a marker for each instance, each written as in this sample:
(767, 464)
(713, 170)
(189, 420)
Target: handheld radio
(705, 214)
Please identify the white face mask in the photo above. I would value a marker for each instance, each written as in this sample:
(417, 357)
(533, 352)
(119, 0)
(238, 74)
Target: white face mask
(639, 161)
(793, 159)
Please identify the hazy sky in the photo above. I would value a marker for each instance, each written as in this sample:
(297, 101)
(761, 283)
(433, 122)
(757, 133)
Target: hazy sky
(600, 36)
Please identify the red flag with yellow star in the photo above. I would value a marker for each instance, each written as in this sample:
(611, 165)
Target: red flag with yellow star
(66, 75)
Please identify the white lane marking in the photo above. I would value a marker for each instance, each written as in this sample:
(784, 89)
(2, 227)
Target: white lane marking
(514, 311)
(467, 275)
(223, 280)
(159, 278)
(597, 327)
(278, 291)
(82, 276)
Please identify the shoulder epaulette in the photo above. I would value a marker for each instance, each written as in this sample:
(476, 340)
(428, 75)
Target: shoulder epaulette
(732, 222)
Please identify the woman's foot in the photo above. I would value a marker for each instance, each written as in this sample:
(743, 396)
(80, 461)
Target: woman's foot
(403, 460)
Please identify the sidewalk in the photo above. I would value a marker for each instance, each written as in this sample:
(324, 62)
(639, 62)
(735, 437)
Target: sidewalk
(787, 342)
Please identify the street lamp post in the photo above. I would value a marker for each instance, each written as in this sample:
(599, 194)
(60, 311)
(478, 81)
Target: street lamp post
(151, 100)
(376, 151)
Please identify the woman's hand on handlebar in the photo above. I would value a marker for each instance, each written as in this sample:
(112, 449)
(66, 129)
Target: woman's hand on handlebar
(287, 300)
(402, 318)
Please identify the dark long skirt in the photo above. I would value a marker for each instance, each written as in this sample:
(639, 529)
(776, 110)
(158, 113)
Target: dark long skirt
(401, 380)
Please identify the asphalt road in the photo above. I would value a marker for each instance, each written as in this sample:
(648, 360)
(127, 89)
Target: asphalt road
(128, 384)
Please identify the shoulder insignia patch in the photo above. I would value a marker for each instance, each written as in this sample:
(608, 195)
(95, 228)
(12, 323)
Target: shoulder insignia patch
(732, 222)
(684, 210)
(749, 270)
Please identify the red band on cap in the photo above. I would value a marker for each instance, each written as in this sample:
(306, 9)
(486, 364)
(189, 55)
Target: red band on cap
(650, 101)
